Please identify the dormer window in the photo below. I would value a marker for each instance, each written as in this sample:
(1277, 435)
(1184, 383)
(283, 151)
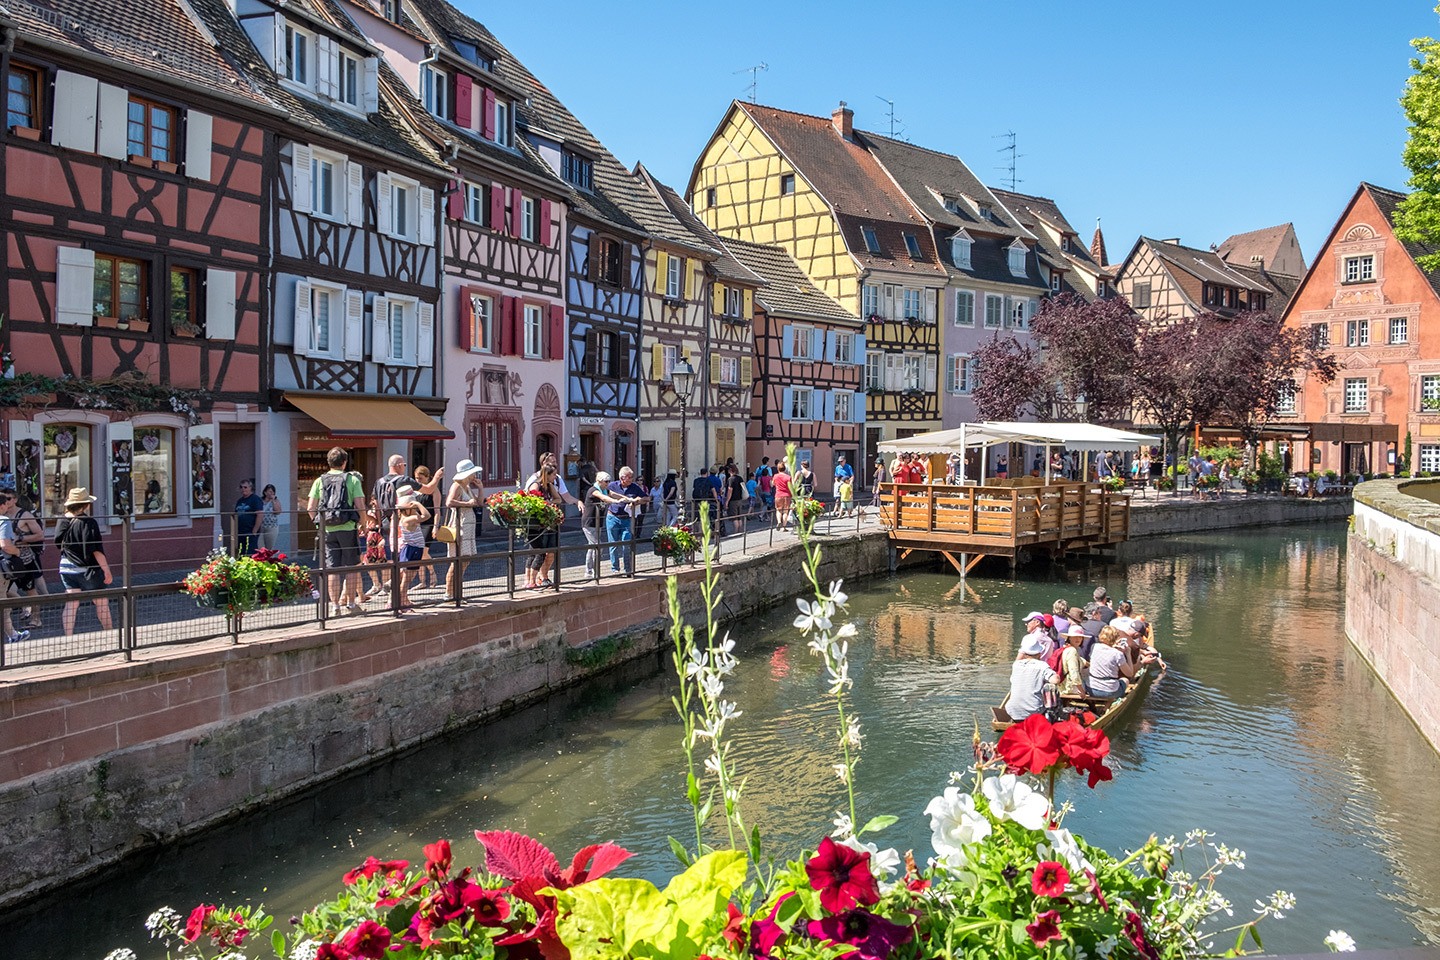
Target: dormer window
(502, 122)
(960, 250)
(470, 50)
(1016, 253)
(1054, 281)
(1064, 244)
(872, 242)
(435, 91)
(297, 55)
(986, 211)
(393, 10)
(951, 204)
(577, 170)
(347, 80)
(912, 246)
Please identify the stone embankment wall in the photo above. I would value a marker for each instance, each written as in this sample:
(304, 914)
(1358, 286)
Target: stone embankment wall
(107, 758)
(1164, 514)
(1392, 593)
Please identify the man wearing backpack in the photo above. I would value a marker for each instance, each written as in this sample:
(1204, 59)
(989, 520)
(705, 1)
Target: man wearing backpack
(765, 486)
(703, 491)
(385, 494)
(339, 497)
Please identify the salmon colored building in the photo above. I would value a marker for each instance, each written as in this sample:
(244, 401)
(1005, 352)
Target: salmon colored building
(1367, 299)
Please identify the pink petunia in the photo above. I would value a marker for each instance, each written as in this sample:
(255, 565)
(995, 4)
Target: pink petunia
(1049, 879)
(1044, 928)
(842, 876)
(873, 937)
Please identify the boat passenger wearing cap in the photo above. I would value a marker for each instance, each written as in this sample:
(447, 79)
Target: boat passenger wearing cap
(1035, 624)
(1028, 676)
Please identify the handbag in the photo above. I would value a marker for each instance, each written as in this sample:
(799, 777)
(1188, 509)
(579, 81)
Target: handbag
(449, 533)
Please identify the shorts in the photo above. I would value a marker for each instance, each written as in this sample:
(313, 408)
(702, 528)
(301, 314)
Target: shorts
(91, 579)
(411, 554)
(342, 548)
(548, 540)
(22, 574)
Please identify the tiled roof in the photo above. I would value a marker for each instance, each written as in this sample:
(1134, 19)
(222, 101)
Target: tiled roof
(157, 36)
(1387, 201)
(1282, 286)
(385, 130)
(788, 291)
(1265, 243)
(726, 266)
(443, 24)
(1027, 206)
(1206, 266)
(850, 179)
(927, 176)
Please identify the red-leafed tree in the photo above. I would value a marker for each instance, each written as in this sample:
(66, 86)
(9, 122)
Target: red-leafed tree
(1009, 380)
(1090, 354)
(1175, 383)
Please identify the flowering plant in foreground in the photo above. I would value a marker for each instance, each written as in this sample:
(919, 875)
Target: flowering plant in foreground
(240, 584)
(1003, 878)
(511, 508)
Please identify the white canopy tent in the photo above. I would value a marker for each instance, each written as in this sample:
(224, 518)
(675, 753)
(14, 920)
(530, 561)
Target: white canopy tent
(1080, 437)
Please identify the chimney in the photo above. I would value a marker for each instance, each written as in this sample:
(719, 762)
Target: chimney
(843, 120)
(1258, 262)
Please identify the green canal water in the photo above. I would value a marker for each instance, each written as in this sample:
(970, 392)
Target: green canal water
(1268, 730)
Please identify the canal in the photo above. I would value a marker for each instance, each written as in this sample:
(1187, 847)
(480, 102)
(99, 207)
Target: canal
(1268, 730)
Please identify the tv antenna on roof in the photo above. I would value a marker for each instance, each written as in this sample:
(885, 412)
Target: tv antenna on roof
(890, 114)
(754, 77)
(1009, 148)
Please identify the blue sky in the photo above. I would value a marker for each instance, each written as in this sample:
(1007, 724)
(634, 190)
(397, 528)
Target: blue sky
(1171, 119)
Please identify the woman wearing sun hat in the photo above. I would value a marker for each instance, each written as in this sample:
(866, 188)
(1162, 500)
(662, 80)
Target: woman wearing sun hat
(82, 558)
(466, 491)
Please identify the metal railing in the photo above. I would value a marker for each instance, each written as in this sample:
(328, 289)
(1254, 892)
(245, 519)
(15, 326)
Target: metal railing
(146, 607)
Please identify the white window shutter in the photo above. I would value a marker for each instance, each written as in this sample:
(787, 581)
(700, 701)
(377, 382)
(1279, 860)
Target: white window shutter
(304, 320)
(199, 143)
(382, 204)
(282, 54)
(111, 122)
(219, 304)
(325, 51)
(928, 299)
(427, 216)
(371, 94)
(75, 286)
(119, 432)
(379, 330)
(355, 193)
(300, 159)
(354, 325)
(73, 124)
(425, 352)
(894, 372)
(931, 361)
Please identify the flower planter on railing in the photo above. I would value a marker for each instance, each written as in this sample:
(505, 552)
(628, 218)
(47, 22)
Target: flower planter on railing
(523, 512)
(237, 585)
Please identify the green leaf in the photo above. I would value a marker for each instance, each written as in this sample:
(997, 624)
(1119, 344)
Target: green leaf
(1255, 935)
(680, 852)
(876, 824)
(277, 943)
(755, 844)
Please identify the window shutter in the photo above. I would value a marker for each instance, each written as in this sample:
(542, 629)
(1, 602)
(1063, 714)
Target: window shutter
(73, 120)
(545, 212)
(817, 342)
(859, 349)
(857, 408)
(487, 114)
(382, 204)
(657, 361)
(74, 286)
(517, 211)
(747, 371)
(951, 383)
(748, 304)
(787, 342)
(325, 66)
(282, 52)
(507, 326)
(689, 282)
(557, 332)
(380, 330)
(464, 89)
(592, 350)
(714, 369)
(300, 187)
(662, 272)
(1006, 317)
(371, 93)
(624, 352)
(354, 325)
(497, 208)
(112, 118)
(930, 364)
(455, 200)
(894, 372)
(355, 193)
(823, 406)
(465, 319)
(425, 352)
(119, 479)
(829, 346)
(304, 320)
(929, 304)
(427, 216)
(717, 299)
(219, 304)
(199, 143)
(787, 402)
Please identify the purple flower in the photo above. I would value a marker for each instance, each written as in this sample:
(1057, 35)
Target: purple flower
(872, 937)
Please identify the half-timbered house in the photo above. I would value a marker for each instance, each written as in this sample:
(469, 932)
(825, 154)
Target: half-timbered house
(135, 302)
(1065, 262)
(816, 187)
(1166, 282)
(503, 328)
(809, 368)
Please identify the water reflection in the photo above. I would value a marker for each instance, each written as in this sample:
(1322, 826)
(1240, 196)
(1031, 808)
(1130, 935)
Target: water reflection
(1269, 730)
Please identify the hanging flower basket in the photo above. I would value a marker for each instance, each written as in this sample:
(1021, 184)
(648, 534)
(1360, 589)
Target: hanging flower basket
(237, 585)
(807, 511)
(523, 511)
(674, 542)
(1113, 483)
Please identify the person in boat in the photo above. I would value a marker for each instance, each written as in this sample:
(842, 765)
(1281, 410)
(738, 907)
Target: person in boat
(1111, 669)
(1028, 676)
(1035, 627)
(1060, 610)
(1072, 665)
(1102, 600)
(1092, 625)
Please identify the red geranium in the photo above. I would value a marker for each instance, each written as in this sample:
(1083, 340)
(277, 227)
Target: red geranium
(369, 940)
(842, 876)
(1044, 928)
(1029, 746)
(1049, 879)
(195, 923)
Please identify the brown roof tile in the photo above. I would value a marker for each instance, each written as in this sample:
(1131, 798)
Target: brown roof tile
(788, 291)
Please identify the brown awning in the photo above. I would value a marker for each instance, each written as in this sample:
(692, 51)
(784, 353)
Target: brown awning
(378, 417)
(1355, 432)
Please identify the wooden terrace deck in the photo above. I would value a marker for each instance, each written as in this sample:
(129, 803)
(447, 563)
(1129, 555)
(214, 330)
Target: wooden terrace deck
(1002, 520)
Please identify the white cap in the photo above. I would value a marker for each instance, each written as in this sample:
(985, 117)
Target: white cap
(1032, 645)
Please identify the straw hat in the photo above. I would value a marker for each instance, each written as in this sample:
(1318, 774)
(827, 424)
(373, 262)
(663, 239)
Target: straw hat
(465, 469)
(77, 497)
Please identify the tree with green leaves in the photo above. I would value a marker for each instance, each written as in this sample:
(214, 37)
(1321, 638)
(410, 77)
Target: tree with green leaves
(1418, 218)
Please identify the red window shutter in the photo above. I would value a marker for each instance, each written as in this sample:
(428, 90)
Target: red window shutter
(557, 332)
(464, 90)
(507, 325)
(517, 204)
(487, 114)
(544, 223)
(455, 200)
(464, 321)
(497, 207)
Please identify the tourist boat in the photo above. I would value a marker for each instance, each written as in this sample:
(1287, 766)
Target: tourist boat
(1115, 710)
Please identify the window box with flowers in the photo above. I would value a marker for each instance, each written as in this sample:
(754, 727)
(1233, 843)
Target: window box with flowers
(674, 542)
(238, 585)
(523, 511)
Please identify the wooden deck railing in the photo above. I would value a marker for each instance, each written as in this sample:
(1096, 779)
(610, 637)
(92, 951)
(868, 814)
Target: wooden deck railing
(1004, 517)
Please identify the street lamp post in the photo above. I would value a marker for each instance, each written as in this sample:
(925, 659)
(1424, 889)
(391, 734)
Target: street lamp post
(682, 378)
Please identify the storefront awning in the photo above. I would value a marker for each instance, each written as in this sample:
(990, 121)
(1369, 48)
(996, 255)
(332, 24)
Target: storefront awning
(377, 417)
(1355, 432)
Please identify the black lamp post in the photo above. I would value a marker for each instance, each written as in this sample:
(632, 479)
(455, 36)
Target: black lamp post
(682, 378)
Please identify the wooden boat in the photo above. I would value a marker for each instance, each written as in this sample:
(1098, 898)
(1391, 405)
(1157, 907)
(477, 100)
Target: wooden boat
(1109, 712)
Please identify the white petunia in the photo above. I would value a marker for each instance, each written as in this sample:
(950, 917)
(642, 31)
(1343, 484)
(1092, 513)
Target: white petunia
(1340, 942)
(954, 824)
(1010, 799)
(1062, 845)
(125, 953)
(883, 863)
(812, 616)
